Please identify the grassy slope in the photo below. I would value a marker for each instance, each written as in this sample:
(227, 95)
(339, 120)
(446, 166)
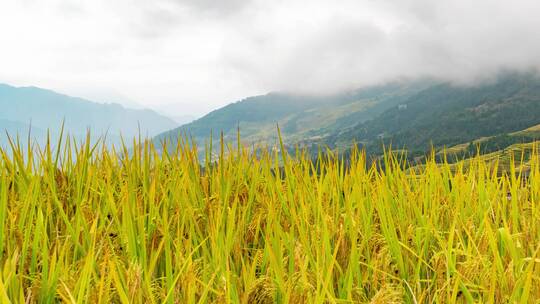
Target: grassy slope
(523, 136)
(534, 130)
(445, 115)
(518, 155)
(300, 117)
(438, 114)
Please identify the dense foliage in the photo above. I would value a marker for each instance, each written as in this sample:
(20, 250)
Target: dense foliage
(413, 115)
(300, 116)
(447, 115)
(91, 225)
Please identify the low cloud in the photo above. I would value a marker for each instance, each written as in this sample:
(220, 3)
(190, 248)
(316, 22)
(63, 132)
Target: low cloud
(205, 53)
(214, 8)
(453, 40)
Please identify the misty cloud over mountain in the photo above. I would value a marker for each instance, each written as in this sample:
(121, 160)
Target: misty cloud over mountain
(321, 47)
(207, 53)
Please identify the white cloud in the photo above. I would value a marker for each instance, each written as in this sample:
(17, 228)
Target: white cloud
(204, 54)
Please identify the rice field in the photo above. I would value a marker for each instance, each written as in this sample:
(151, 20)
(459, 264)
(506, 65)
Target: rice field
(82, 223)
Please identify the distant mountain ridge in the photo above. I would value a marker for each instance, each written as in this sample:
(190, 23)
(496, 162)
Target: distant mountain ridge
(46, 110)
(446, 115)
(411, 114)
(300, 117)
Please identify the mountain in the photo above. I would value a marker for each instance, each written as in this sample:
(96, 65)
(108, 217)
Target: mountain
(415, 115)
(300, 117)
(446, 115)
(183, 119)
(45, 110)
(15, 128)
(498, 143)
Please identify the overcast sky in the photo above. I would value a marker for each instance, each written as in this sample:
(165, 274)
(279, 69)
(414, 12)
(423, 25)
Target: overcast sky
(192, 56)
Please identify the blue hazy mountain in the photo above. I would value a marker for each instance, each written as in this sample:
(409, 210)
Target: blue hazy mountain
(22, 107)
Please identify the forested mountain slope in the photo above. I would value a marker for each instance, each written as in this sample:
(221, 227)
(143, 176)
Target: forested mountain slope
(300, 117)
(446, 115)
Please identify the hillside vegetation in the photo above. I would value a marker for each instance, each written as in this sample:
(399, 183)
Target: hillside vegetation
(447, 115)
(412, 115)
(302, 118)
(109, 226)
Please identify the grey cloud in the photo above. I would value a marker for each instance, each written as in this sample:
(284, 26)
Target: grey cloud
(210, 52)
(159, 18)
(156, 22)
(219, 7)
(460, 41)
(68, 8)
